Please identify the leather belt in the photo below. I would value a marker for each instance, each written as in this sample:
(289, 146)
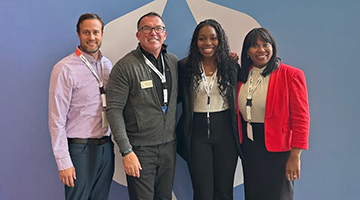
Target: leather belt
(97, 141)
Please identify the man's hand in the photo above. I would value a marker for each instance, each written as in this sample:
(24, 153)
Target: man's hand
(67, 176)
(132, 165)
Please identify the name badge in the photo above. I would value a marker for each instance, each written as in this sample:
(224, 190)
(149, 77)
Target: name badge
(146, 84)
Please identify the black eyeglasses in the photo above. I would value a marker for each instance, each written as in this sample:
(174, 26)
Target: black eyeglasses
(147, 29)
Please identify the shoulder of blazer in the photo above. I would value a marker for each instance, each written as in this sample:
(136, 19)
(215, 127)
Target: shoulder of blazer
(287, 69)
(236, 68)
(282, 71)
(182, 62)
(181, 66)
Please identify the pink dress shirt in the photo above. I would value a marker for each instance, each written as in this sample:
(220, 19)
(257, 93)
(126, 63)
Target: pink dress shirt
(75, 105)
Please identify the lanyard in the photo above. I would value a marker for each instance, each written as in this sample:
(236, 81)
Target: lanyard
(101, 83)
(208, 87)
(251, 91)
(162, 78)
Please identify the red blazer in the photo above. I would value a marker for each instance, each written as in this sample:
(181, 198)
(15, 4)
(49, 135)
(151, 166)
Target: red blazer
(287, 117)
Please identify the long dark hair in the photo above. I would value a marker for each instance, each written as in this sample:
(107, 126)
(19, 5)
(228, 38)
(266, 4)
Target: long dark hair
(250, 40)
(225, 74)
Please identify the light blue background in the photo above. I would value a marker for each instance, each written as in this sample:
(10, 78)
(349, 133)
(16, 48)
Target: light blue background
(320, 37)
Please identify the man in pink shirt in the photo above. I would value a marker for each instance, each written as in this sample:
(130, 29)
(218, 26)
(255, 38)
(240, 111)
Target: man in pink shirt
(80, 135)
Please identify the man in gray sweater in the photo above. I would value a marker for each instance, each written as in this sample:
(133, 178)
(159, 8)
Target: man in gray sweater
(141, 111)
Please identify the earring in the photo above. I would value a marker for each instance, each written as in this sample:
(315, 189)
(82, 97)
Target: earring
(248, 56)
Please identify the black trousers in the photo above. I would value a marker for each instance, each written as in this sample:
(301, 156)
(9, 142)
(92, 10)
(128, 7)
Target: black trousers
(94, 166)
(213, 160)
(157, 174)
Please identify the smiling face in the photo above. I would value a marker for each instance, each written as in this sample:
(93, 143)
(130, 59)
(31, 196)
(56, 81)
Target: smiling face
(260, 53)
(207, 42)
(90, 35)
(151, 42)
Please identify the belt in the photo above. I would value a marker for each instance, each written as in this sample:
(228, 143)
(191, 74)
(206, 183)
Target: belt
(98, 141)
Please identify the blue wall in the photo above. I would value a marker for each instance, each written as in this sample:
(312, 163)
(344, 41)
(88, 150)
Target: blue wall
(320, 37)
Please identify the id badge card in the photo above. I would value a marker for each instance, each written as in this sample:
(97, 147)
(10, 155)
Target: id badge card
(104, 120)
(164, 108)
(146, 84)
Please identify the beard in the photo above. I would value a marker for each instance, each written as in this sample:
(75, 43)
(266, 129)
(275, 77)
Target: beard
(88, 50)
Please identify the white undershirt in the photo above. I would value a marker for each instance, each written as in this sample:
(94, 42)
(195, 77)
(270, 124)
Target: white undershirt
(217, 102)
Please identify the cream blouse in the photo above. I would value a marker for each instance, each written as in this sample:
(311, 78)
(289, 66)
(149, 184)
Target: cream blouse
(216, 101)
(258, 97)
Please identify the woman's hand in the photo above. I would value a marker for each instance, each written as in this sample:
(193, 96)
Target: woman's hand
(293, 165)
(234, 56)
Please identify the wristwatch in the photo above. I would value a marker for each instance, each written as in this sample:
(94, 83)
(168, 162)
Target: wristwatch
(126, 152)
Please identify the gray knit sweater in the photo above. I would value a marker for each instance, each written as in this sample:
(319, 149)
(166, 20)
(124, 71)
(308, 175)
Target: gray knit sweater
(134, 114)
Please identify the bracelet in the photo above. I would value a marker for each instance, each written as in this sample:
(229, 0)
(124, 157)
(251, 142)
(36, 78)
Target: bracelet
(126, 152)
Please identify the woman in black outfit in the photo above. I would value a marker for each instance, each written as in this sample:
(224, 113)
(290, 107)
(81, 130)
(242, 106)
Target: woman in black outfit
(207, 131)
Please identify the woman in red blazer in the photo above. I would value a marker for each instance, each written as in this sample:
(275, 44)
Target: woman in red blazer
(273, 119)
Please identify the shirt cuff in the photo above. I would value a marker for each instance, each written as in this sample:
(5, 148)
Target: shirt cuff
(64, 163)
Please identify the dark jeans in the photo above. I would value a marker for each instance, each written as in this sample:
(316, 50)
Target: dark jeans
(157, 174)
(94, 166)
